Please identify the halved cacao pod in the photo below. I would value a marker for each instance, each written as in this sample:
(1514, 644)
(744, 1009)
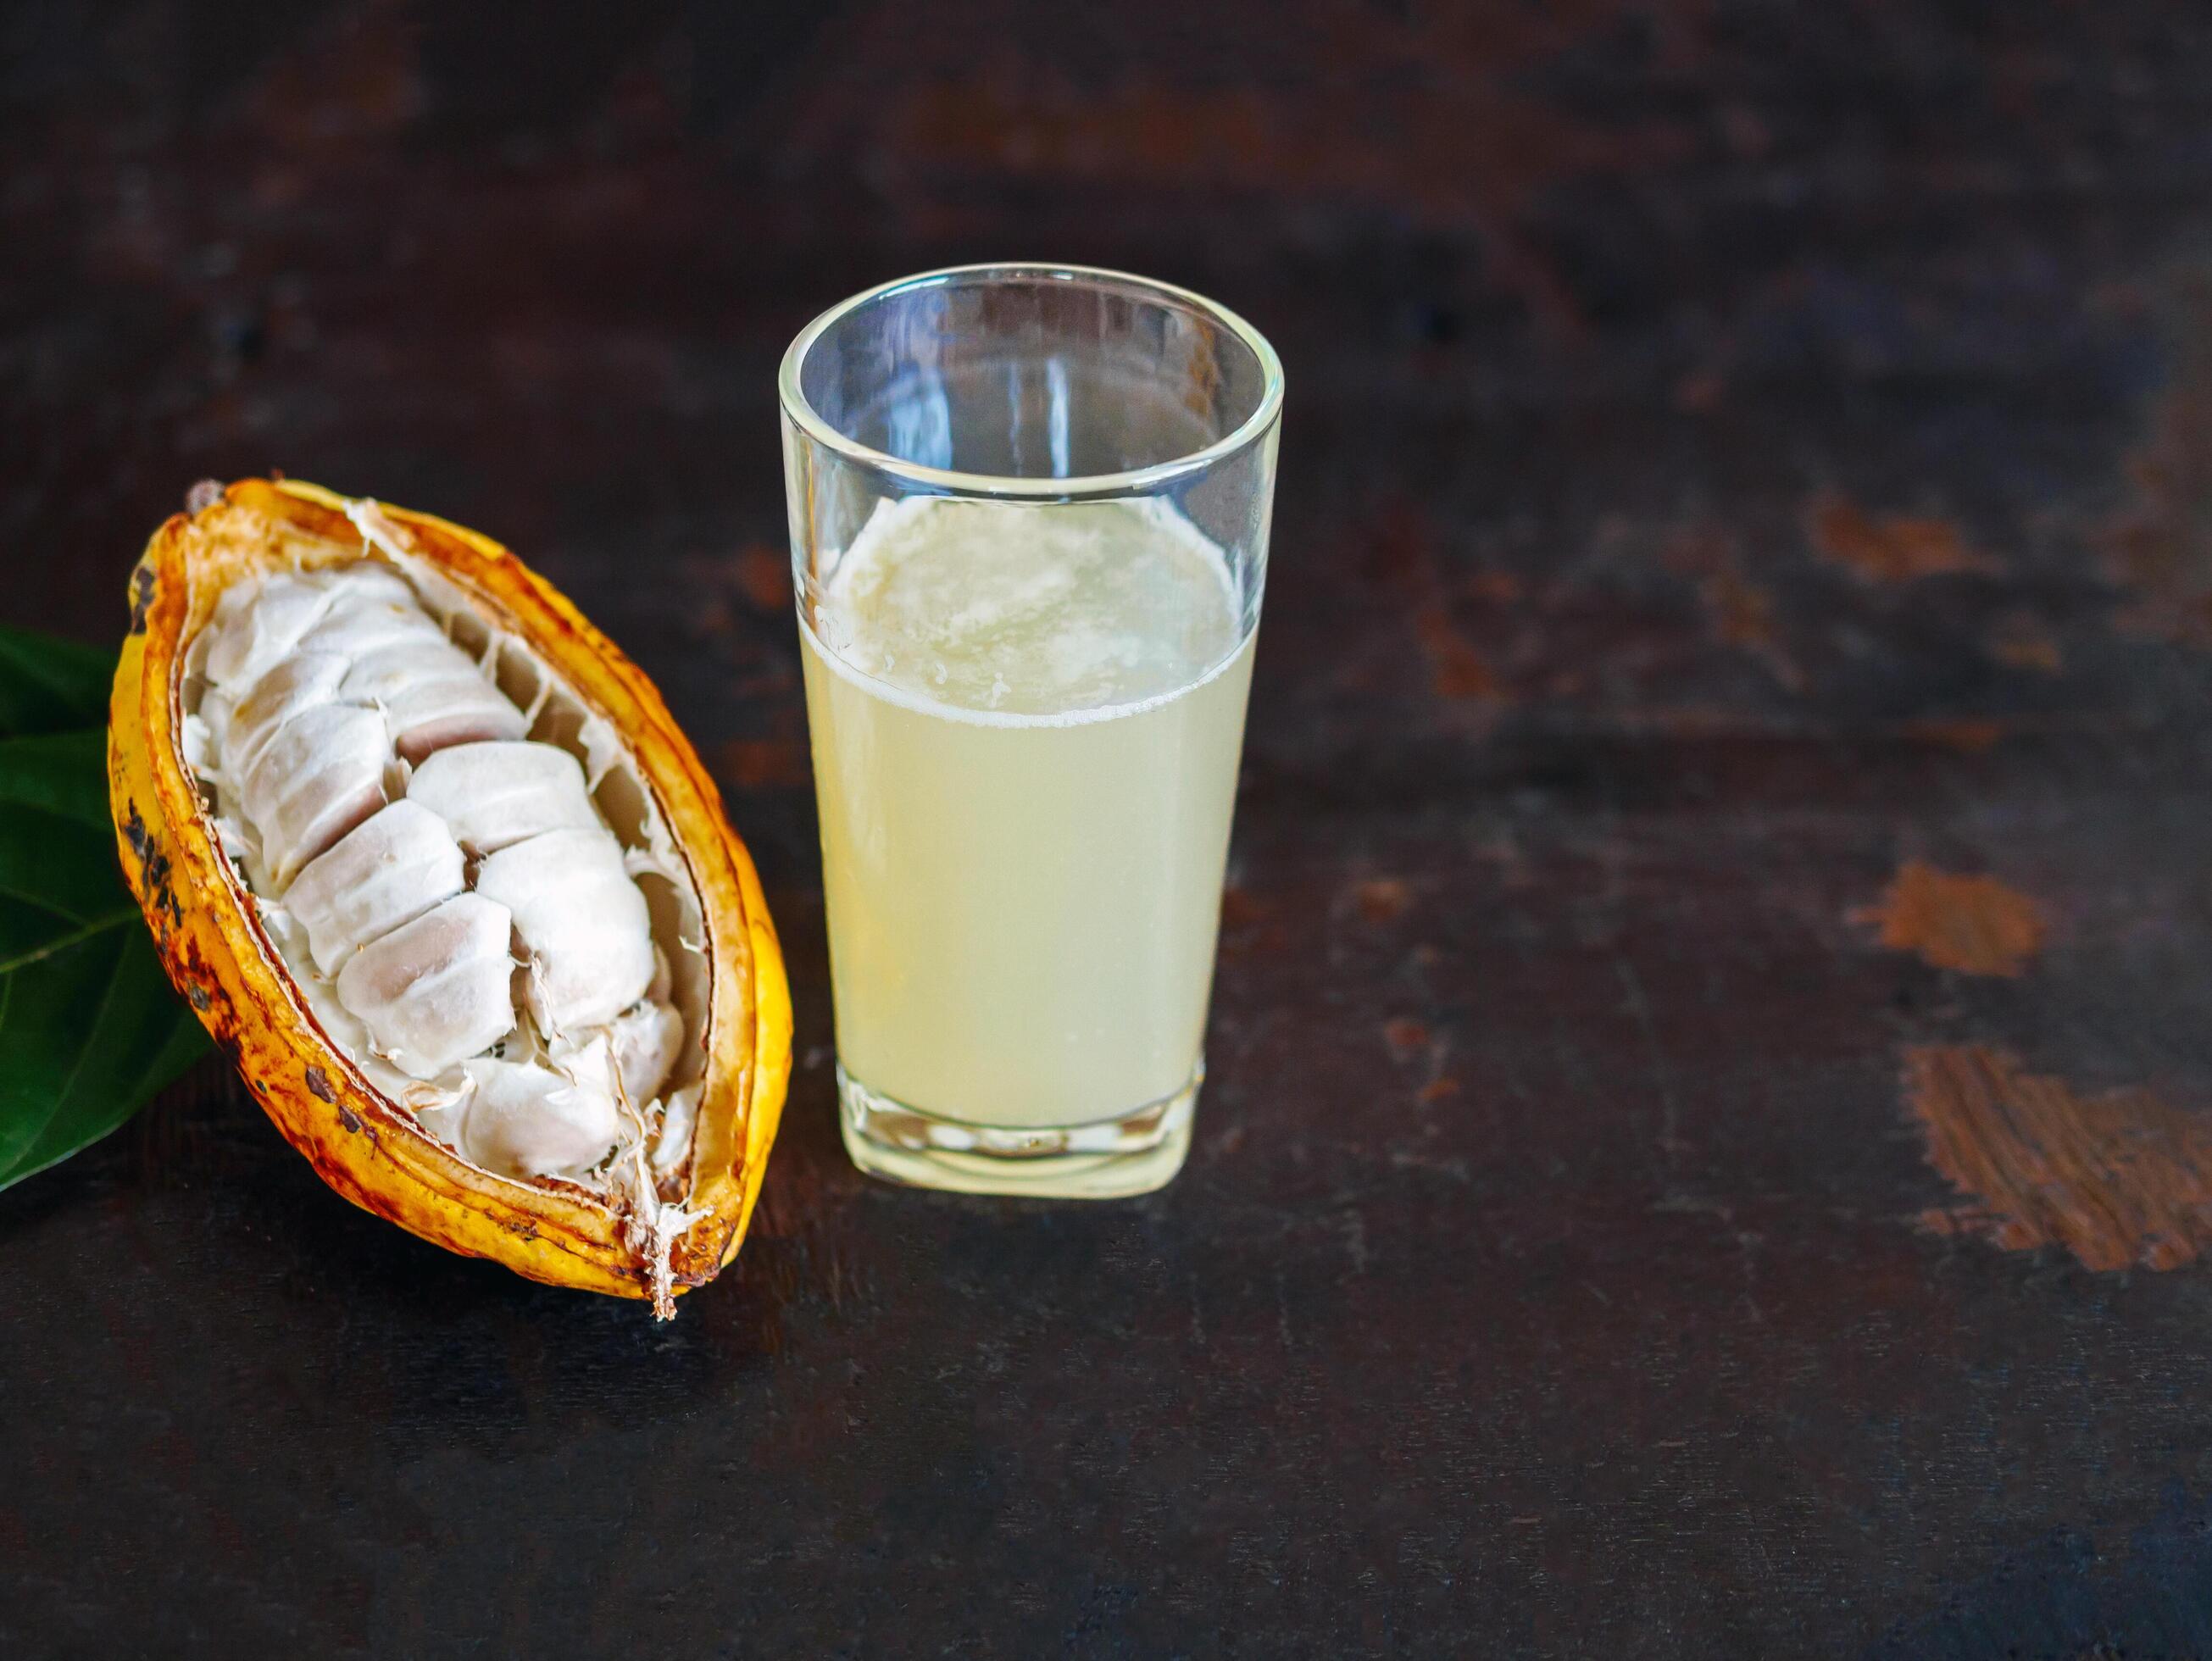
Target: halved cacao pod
(677, 1225)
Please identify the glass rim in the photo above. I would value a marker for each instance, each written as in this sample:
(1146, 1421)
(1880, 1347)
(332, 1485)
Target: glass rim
(802, 415)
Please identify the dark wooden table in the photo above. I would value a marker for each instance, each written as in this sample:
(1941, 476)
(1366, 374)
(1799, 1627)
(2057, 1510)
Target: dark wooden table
(1709, 1137)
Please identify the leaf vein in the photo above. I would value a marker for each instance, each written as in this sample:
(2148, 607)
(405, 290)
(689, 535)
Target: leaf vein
(39, 953)
(40, 902)
(84, 1051)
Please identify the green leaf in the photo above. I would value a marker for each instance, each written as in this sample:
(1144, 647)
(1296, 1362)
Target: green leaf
(87, 1036)
(61, 773)
(50, 686)
(90, 1028)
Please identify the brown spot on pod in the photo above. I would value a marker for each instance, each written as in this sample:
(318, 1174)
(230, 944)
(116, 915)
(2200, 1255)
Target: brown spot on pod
(142, 598)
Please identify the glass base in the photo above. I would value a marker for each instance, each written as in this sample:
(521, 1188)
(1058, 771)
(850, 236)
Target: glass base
(1104, 1160)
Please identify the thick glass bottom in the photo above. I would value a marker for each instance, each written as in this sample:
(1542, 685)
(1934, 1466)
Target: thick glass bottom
(1104, 1160)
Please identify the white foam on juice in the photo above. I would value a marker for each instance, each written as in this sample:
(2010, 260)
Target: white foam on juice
(1018, 614)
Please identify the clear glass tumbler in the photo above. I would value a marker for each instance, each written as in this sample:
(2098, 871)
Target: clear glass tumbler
(1028, 524)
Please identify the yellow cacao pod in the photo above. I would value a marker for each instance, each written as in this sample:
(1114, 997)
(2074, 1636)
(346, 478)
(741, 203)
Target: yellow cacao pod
(232, 950)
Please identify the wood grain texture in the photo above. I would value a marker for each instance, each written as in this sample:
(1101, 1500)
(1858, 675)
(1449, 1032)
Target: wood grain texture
(1732, 451)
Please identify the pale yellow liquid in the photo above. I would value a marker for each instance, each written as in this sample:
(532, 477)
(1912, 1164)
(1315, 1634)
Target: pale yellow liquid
(1026, 722)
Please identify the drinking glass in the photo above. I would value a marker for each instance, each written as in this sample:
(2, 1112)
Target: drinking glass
(1028, 512)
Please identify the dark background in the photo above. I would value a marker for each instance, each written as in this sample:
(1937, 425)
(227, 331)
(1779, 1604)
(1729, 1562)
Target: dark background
(1733, 452)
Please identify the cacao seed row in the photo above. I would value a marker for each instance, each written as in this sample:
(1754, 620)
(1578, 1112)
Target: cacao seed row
(393, 811)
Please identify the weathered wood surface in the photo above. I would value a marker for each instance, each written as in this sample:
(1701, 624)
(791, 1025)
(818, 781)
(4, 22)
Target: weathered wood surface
(1709, 1149)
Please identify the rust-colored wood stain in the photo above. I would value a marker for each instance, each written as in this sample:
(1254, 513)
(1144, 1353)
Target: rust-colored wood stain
(1975, 925)
(2119, 1178)
(1893, 549)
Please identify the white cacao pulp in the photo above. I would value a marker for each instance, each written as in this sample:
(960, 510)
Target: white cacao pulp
(433, 861)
